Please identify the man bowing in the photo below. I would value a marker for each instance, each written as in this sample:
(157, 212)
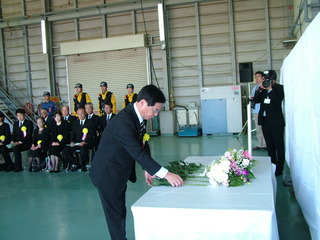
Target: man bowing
(120, 147)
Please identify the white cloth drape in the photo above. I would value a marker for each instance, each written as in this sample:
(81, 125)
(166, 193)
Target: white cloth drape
(300, 75)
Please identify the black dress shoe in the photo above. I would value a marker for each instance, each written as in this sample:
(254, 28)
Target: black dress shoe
(257, 148)
(18, 170)
(83, 169)
(9, 168)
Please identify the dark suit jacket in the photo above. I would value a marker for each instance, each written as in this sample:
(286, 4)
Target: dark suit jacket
(95, 122)
(274, 109)
(50, 122)
(77, 132)
(17, 134)
(103, 122)
(5, 131)
(119, 148)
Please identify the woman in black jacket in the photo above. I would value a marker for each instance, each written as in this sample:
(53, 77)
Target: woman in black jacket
(59, 137)
(39, 147)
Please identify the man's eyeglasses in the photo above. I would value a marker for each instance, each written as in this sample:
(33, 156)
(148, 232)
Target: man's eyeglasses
(155, 110)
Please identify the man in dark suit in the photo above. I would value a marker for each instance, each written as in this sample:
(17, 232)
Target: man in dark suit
(81, 139)
(270, 97)
(21, 140)
(65, 110)
(106, 118)
(120, 147)
(94, 119)
(49, 121)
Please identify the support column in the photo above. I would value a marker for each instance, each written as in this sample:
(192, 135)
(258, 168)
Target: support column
(268, 38)
(233, 45)
(4, 80)
(199, 52)
(27, 61)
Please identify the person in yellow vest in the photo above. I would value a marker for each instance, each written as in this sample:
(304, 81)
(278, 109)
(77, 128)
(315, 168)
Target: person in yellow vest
(106, 97)
(131, 97)
(80, 98)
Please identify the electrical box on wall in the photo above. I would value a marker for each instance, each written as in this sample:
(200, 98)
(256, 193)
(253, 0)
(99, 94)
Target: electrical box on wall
(221, 109)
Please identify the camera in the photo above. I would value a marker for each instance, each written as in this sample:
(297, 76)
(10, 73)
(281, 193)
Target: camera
(266, 82)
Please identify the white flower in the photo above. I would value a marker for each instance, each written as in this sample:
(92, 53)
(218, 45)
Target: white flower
(204, 173)
(213, 182)
(245, 162)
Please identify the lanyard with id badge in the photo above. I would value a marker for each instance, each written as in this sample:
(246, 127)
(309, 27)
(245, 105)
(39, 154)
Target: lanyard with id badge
(267, 100)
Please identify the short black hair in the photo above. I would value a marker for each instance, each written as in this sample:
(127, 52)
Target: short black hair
(2, 116)
(151, 94)
(261, 73)
(272, 75)
(109, 104)
(20, 110)
(57, 112)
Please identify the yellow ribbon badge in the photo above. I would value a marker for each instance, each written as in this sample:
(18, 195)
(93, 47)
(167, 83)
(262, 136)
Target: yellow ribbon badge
(2, 137)
(39, 142)
(23, 128)
(85, 130)
(146, 137)
(59, 137)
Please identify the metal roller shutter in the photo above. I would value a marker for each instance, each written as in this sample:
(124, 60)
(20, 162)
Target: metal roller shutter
(117, 68)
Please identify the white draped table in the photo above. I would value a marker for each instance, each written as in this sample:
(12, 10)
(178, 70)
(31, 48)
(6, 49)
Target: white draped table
(208, 212)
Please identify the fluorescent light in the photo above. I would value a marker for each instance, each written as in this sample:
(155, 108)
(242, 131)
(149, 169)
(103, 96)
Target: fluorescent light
(161, 21)
(44, 36)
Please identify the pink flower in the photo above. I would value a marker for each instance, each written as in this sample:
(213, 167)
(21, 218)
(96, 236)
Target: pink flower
(247, 154)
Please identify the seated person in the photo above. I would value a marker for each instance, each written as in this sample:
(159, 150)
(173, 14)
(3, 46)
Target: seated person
(95, 122)
(39, 147)
(81, 139)
(49, 121)
(59, 138)
(65, 110)
(21, 140)
(104, 119)
(5, 138)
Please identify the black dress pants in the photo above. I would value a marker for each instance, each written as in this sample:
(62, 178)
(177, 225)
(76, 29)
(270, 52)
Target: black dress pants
(115, 212)
(274, 136)
(84, 155)
(17, 155)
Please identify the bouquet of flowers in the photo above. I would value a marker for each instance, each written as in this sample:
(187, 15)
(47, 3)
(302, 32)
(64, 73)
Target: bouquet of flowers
(232, 169)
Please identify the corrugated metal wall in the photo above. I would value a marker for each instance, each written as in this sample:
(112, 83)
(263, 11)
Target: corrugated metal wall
(210, 38)
(117, 68)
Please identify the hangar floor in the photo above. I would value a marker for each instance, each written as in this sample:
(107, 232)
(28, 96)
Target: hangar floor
(66, 206)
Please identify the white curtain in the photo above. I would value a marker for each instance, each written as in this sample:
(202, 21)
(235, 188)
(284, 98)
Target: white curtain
(300, 75)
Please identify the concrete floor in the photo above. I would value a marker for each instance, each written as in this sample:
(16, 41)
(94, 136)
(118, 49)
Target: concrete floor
(65, 205)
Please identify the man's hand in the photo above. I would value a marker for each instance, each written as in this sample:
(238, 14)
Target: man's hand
(148, 178)
(174, 179)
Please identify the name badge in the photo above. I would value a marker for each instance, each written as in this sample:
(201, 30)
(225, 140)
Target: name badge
(267, 101)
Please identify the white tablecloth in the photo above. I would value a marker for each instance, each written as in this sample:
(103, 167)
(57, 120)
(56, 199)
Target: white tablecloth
(208, 212)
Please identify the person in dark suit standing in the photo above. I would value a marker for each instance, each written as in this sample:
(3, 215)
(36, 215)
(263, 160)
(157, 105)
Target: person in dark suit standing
(81, 139)
(21, 140)
(270, 96)
(120, 147)
(106, 118)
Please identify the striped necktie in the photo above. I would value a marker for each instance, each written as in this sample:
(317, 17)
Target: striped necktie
(142, 129)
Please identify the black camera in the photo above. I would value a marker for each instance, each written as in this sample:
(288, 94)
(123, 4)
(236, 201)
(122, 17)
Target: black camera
(266, 82)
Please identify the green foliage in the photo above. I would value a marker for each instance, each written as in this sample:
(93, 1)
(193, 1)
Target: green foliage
(183, 169)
